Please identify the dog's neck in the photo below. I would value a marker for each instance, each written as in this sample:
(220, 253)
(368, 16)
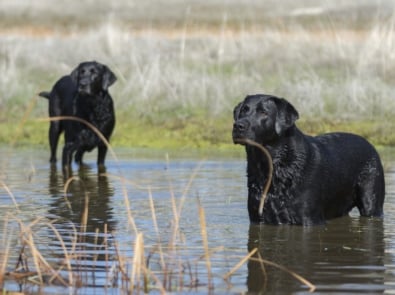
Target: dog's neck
(92, 96)
(285, 152)
(281, 149)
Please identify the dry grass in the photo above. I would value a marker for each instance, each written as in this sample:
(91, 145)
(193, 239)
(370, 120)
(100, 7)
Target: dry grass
(183, 68)
(161, 266)
(189, 63)
(127, 274)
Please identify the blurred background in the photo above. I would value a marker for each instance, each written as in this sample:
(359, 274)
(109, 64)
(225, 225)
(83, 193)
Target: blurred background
(182, 65)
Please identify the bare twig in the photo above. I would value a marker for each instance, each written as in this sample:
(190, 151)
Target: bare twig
(270, 166)
(238, 265)
(203, 229)
(255, 251)
(283, 268)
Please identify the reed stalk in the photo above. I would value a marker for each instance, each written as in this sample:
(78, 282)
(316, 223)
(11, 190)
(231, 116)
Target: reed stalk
(203, 229)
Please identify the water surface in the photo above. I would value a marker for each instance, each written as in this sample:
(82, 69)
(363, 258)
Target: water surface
(160, 196)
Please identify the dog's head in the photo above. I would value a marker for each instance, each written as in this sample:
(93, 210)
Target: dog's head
(262, 118)
(92, 77)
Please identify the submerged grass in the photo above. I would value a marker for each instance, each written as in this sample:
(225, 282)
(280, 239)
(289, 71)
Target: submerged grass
(71, 259)
(69, 262)
(179, 77)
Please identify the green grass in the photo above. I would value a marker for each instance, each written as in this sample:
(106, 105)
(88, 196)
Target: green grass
(193, 133)
(182, 68)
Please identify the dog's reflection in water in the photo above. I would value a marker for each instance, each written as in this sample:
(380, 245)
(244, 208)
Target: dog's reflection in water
(81, 208)
(346, 253)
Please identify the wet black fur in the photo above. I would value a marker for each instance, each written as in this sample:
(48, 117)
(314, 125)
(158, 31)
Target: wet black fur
(82, 94)
(314, 178)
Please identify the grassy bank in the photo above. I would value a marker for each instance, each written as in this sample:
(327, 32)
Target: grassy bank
(195, 133)
(182, 68)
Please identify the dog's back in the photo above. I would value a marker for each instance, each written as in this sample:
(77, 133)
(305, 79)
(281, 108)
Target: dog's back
(348, 165)
(339, 148)
(61, 96)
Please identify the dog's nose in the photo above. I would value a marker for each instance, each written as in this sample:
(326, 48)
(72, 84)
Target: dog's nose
(83, 81)
(239, 126)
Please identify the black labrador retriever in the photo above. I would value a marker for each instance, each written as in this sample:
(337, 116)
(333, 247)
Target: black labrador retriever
(314, 178)
(84, 95)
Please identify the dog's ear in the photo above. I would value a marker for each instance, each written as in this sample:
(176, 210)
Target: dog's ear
(236, 111)
(74, 74)
(108, 78)
(286, 115)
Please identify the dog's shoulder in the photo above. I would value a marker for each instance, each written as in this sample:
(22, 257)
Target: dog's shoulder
(64, 88)
(342, 139)
(65, 83)
(344, 148)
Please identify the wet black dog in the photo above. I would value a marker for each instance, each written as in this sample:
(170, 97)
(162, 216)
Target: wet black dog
(82, 94)
(314, 178)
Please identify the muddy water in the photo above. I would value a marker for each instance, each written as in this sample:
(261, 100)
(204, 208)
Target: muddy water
(158, 199)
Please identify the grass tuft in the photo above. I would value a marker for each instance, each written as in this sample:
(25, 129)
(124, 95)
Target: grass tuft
(191, 70)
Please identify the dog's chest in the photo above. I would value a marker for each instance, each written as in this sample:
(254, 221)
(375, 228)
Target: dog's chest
(93, 109)
(283, 195)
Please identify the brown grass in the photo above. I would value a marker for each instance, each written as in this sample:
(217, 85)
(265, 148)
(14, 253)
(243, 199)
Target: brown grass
(130, 274)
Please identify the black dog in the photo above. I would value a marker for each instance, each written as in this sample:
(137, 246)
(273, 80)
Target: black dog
(314, 178)
(84, 95)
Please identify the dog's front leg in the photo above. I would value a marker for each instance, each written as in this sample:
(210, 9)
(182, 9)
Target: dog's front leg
(68, 150)
(101, 156)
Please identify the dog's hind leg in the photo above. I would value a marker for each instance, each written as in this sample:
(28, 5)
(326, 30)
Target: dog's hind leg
(101, 155)
(78, 156)
(54, 132)
(370, 190)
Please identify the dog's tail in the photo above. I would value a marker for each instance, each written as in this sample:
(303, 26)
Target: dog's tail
(45, 94)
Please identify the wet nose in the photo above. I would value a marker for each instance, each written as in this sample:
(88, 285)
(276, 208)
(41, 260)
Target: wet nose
(84, 81)
(240, 126)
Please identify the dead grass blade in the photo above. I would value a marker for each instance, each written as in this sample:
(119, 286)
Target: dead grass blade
(66, 188)
(254, 251)
(7, 189)
(130, 217)
(91, 126)
(152, 206)
(5, 250)
(138, 266)
(26, 115)
(290, 272)
(270, 173)
(85, 213)
(238, 265)
(203, 229)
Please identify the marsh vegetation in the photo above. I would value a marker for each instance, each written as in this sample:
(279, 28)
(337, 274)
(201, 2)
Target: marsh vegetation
(183, 66)
(165, 225)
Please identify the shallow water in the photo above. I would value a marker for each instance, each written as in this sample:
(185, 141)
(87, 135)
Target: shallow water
(157, 196)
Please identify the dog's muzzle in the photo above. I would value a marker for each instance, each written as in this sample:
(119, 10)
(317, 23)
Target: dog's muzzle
(239, 131)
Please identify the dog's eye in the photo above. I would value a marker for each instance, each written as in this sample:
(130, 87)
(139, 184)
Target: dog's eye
(245, 109)
(261, 111)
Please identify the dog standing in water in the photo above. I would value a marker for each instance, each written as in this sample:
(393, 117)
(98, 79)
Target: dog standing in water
(84, 95)
(314, 178)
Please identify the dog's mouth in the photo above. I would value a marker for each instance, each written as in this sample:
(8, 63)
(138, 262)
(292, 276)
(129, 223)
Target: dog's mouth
(239, 140)
(238, 137)
(83, 89)
(240, 131)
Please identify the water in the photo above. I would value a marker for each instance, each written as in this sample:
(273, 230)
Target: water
(158, 199)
